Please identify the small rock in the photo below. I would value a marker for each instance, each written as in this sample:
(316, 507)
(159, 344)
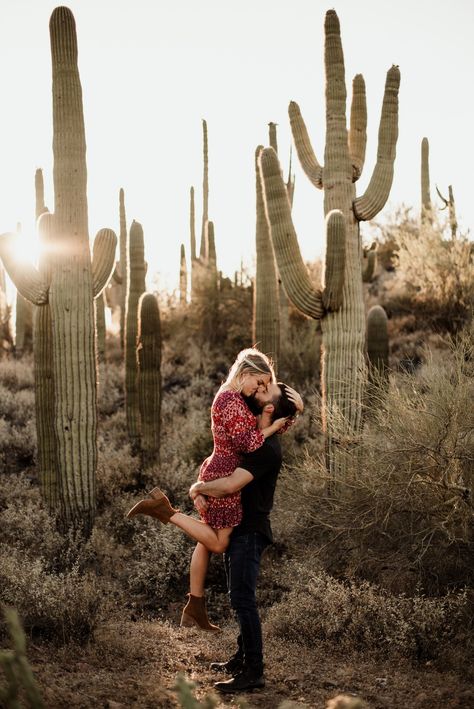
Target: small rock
(381, 681)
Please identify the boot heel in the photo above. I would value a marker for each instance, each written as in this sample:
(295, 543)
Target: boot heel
(187, 621)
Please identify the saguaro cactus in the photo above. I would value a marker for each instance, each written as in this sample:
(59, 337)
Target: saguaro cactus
(451, 206)
(266, 316)
(183, 277)
(72, 284)
(136, 286)
(149, 377)
(124, 267)
(203, 252)
(340, 305)
(377, 341)
(426, 213)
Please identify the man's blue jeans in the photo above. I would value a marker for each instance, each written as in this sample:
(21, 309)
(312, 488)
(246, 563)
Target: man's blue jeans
(242, 565)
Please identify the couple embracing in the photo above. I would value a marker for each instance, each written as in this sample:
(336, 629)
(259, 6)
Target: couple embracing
(234, 497)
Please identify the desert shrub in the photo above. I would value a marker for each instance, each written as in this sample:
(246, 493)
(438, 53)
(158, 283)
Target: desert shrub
(16, 374)
(359, 616)
(17, 446)
(159, 564)
(402, 514)
(110, 383)
(117, 470)
(434, 278)
(60, 607)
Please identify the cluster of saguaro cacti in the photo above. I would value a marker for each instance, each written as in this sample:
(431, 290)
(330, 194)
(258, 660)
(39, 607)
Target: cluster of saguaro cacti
(340, 304)
(136, 286)
(204, 274)
(149, 377)
(66, 283)
(16, 669)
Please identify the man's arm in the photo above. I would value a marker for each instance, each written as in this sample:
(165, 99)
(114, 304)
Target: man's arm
(222, 486)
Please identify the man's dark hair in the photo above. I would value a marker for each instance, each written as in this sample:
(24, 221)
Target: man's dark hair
(283, 405)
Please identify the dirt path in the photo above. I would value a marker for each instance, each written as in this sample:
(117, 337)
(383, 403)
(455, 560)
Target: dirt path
(136, 664)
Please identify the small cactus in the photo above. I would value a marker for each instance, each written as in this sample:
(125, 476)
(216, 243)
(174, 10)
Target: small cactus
(183, 277)
(426, 211)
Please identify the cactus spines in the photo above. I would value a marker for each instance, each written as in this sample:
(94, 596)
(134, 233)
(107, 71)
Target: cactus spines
(377, 341)
(266, 320)
(183, 277)
(149, 377)
(136, 286)
(344, 369)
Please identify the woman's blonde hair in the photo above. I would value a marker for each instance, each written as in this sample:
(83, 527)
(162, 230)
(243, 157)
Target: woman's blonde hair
(249, 361)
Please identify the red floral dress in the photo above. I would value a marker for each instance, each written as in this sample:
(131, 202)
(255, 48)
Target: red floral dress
(235, 431)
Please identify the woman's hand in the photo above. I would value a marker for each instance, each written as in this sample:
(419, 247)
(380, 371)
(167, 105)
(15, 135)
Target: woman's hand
(194, 490)
(295, 398)
(279, 423)
(201, 503)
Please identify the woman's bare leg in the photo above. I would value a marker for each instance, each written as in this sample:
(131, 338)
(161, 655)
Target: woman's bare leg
(198, 570)
(215, 540)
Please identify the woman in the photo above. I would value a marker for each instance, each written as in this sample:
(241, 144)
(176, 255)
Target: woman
(235, 430)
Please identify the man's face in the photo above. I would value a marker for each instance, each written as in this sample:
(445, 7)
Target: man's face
(270, 396)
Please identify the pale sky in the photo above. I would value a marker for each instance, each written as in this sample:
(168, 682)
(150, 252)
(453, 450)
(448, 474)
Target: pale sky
(151, 70)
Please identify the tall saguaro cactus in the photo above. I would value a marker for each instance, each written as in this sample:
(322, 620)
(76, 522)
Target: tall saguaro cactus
(203, 251)
(124, 267)
(136, 286)
(266, 317)
(183, 276)
(70, 285)
(149, 377)
(340, 305)
(426, 215)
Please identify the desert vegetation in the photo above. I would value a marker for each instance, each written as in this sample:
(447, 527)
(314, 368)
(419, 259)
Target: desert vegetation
(367, 595)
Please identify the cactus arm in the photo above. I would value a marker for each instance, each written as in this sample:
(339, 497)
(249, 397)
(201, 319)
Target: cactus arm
(372, 201)
(369, 261)
(294, 273)
(272, 136)
(103, 259)
(41, 208)
(305, 151)
(335, 260)
(358, 127)
(116, 274)
(25, 276)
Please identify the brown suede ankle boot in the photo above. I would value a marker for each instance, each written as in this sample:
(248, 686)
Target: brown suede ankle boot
(195, 614)
(159, 507)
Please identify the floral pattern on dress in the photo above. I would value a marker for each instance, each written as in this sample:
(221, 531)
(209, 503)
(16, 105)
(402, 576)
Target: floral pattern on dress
(235, 431)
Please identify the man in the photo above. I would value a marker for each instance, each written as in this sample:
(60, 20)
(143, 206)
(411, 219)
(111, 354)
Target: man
(257, 481)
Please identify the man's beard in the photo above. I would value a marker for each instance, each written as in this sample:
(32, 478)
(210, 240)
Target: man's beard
(253, 405)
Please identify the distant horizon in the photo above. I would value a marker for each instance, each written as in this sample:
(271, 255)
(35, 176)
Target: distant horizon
(150, 74)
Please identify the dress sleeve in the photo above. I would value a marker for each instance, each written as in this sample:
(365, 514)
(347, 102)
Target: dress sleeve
(241, 426)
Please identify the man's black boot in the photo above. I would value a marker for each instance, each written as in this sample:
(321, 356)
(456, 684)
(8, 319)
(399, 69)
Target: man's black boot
(232, 667)
(246, 681)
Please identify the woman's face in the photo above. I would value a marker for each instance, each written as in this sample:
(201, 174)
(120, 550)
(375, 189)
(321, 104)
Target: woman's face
(253, 383)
